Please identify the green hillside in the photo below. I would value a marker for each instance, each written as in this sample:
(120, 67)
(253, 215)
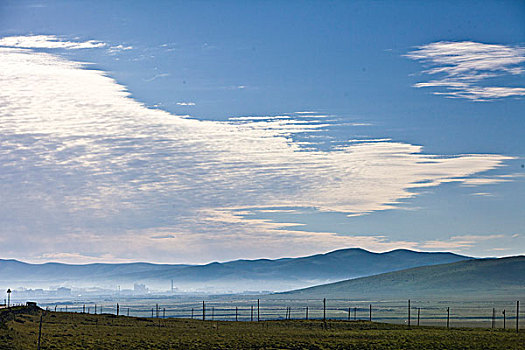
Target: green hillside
(482, 278)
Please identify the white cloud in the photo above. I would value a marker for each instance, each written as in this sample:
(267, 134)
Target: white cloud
(459, 242)
(185, 103)
(482, 194)
(119, 48)
(465, 69)
(48, 42)
(157, 76)
(86, 169)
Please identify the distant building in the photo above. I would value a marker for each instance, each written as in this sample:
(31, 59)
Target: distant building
(139, 288)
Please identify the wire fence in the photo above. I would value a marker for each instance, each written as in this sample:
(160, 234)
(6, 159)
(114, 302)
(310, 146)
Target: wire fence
(500, 314)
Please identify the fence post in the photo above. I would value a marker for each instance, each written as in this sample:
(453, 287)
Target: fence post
(409, 312)
(355, 313)
(493, 318)
(258, 309)
(151, 312)
(348, 314)
(95, 309)
(370, 317)
(504, 319)
(418, 312)
(39, 332)
(118, 309)
(128, 311)
(203, 311)
(448, 317)
(236, 313)
(163, 312)
(324, 309)
(212, 313)
(307, 313)
(192, 313)
(55, 308)
(251, 314)
(517, 316)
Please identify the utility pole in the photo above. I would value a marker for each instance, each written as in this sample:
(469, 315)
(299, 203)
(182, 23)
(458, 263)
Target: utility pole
(258, 311)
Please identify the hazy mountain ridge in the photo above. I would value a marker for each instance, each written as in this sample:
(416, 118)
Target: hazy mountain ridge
(484, 278)
(238, 274)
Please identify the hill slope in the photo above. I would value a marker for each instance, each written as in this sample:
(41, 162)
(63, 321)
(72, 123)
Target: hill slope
(503, 277)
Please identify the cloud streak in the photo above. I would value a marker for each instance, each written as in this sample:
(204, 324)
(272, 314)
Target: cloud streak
(50, 42)
(469, 69)
(85, 169)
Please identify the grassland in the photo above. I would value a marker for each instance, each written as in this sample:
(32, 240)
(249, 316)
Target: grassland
(83, 331)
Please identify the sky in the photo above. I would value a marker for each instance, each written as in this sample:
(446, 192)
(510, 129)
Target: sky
(191, 132)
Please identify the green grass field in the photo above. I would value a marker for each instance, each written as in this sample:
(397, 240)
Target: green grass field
(82, 331)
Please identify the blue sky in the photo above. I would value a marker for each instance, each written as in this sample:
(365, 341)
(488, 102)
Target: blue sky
(414, 136)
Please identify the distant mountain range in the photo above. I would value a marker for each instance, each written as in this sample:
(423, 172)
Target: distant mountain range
(238, 275)
(475, 279)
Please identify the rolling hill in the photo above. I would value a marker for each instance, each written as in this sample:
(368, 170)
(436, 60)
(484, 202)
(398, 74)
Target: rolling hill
(477, 278)
(238, 275)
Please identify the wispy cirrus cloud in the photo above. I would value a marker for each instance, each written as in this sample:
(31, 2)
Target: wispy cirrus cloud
(49, 42)
(469, 69)
(85, 169)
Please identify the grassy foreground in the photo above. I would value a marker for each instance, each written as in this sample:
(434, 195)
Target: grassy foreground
(82, 331)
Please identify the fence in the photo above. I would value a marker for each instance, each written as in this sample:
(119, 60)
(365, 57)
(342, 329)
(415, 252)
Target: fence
(500, 314)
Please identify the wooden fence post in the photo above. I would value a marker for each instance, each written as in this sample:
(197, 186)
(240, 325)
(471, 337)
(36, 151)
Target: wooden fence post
(355, 313)
(258, 311)
(448, 317)
(203, 311)
(236, 313)
(418, 312)
(324, 309)
(192, 313)
(409, 312)
(504, 319)
(517, 315)
(493, 323)
(370, 316)
(348, 314)
(39, 332)
(251, 314)
(307, 313)
(118, 309)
